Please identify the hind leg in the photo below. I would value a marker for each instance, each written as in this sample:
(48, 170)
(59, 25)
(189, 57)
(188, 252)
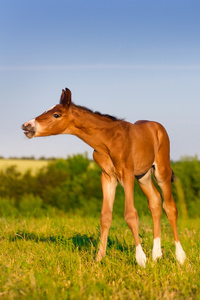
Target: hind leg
(163, 175)
(172, 214)
(131, 216)
(154, 200)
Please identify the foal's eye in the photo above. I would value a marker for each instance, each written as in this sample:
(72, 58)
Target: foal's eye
(56, 116)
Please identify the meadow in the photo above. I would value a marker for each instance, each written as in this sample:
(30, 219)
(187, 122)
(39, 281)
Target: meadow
(23, 165)
(50, 233)
(54, 258)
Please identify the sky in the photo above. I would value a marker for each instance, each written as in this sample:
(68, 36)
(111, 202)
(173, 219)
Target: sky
(131, 59)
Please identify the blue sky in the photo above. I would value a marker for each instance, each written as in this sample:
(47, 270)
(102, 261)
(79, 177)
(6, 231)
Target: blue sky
(132, 59)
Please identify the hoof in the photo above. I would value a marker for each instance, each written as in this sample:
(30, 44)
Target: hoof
(180, 254)
(99, 257)
(140, 256)
(156, 252)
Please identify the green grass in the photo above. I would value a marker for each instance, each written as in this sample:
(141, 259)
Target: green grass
(54, 258)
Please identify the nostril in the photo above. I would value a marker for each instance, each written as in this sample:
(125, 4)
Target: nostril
(30, 123)
(27, 126)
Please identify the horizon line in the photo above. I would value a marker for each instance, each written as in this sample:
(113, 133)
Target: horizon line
(95, 66)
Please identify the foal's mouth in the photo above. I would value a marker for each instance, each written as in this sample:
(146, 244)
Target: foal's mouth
(29, 131)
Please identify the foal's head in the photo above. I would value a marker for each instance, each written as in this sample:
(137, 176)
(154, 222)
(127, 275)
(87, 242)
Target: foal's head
(53, 121)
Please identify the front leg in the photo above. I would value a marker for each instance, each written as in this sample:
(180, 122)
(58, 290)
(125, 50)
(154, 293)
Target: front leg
(109, 185)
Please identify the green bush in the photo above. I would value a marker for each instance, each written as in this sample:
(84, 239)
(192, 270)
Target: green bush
(74, 185)
(187, 171)
(7, 207)
(30, 205)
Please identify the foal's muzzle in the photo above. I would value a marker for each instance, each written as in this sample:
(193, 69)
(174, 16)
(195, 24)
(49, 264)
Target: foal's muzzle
(29, 130)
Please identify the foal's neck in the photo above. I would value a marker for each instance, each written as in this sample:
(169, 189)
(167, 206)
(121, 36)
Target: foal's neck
(93, 128)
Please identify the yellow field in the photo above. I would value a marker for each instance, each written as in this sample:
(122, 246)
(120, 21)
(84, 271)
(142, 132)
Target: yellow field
(23, 164)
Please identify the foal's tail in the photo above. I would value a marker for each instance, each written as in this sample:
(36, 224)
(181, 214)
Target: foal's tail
(173, 178)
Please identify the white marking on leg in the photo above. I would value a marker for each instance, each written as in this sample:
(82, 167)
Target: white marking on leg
(180, 254)
(140, 256)
(156, 252)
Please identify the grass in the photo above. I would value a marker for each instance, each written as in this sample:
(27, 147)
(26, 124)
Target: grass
(54, 258)
(23, 165)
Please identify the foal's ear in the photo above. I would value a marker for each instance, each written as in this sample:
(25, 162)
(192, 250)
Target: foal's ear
(65, 98)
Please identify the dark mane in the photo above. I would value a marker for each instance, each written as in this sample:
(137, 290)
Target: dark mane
(98, 113)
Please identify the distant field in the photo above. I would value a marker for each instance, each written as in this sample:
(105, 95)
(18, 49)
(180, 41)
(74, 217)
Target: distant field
(23, 164)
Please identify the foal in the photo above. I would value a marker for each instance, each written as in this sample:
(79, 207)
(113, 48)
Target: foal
(123, 151)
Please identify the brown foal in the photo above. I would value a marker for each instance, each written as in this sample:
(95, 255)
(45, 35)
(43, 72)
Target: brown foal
(123, 151)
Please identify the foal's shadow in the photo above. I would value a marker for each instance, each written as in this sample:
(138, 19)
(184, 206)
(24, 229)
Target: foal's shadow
(77, 241)
(83, 241)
